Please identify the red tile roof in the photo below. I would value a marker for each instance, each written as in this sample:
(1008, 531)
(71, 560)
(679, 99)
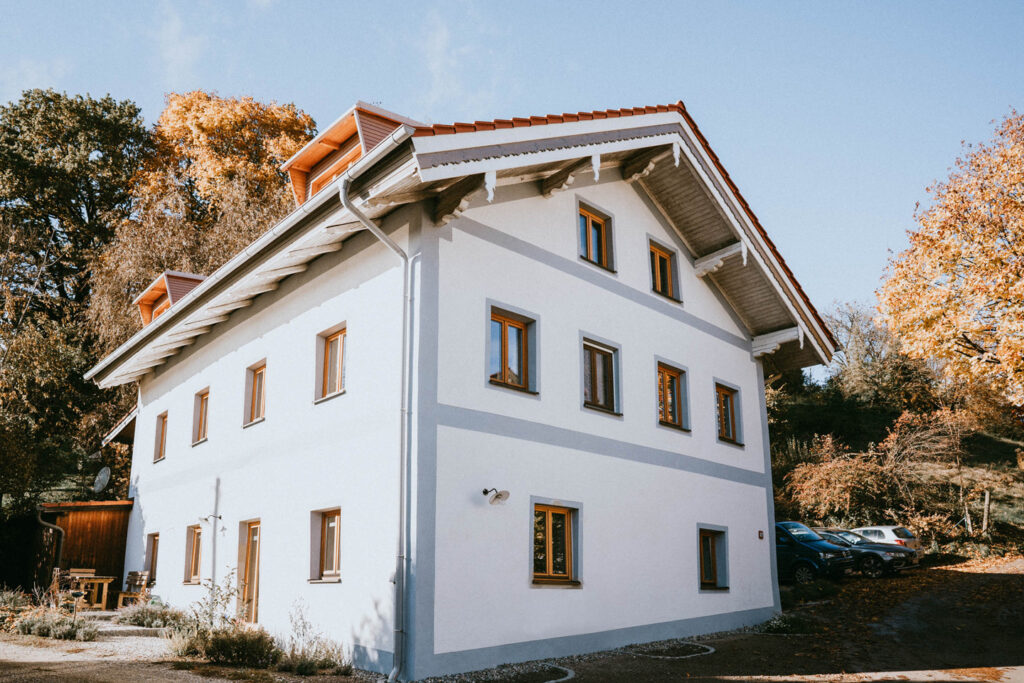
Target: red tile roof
(680, 108)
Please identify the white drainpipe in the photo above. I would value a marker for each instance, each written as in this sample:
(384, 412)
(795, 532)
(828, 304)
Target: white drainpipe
(402, 554)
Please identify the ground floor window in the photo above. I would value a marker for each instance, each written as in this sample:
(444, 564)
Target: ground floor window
(152, 547)
(193, 548)
(553, 543)
(330, 544)
(713, 558)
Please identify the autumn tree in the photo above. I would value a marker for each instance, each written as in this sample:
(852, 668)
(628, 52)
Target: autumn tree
(957, 293)
(212, 185)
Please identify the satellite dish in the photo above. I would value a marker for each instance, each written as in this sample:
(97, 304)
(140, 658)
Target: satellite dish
(101, 481)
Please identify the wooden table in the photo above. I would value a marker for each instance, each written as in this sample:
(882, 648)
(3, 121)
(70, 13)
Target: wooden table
(95, 587)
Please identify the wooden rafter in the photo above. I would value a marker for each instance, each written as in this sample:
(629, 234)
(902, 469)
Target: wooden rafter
(642, 163)
(563, 177)
(453, 201)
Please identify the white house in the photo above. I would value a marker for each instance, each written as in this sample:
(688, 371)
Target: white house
(578, 310)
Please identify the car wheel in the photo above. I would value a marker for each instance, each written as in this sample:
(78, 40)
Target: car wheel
(872, 567)
(803, 574)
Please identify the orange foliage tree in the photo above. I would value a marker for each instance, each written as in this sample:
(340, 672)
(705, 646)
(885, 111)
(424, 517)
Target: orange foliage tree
(957, 293)
(212, 186)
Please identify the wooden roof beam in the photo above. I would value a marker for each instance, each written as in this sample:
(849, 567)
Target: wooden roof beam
(705, 265)
(453, 201)
(764, 344)
(563, 177)
(642, 163)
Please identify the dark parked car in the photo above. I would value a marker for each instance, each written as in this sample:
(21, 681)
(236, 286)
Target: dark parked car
(802, 555)
(871, 558)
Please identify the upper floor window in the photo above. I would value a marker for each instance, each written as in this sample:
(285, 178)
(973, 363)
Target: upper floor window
(257, 392)
(595, 238)
(663, 271)
(599, 381)
(161, 437)
(671, 397)
(509, 352)
(553, 543)
(333, 371)
(202, 404)
(725, 408)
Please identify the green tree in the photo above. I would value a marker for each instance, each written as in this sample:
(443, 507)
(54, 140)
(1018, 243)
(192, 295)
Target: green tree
(65, 168)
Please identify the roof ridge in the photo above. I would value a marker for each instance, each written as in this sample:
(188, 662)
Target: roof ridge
(524, 121)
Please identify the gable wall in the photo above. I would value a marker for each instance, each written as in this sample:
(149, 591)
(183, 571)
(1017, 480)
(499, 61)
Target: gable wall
(643, 488)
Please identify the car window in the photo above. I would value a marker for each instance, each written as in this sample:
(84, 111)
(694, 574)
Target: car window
(838, 540)
(852, 537)
(799, 531)
(872, 533)
(902, 533)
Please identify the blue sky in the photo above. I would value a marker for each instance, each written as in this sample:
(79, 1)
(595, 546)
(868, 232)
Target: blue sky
(832, 118)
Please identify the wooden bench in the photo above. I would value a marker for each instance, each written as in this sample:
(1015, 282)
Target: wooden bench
(135, 587)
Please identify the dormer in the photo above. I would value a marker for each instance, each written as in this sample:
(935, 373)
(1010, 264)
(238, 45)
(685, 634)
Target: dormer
(164, 292)
(343, 143)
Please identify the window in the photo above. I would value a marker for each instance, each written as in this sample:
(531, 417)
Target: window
(202, 404)
(257, 385)
(552, 543)
(152, 546)
(712, 559)
(598, 376)
(662, 271)
(333, 376)
(594, 238)
(161, 437)
(330, 544)
(726, 413)
(671, 397)
(193, 546)
(509, 352)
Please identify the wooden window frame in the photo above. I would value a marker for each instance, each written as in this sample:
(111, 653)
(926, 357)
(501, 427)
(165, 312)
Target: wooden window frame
(591, 359)
(152, 555)
(161, 437)
(195, 548)
(325, 390)
(202, 416)
(666, 289)
(665, 374)
(504, 380)
(324, 517)
(250, 613)
(713, 536)
(588, 248)
(570, 523)
(726, 418)
(259, 371)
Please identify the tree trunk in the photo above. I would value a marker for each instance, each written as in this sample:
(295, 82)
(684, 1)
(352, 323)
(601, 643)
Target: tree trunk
(967, 521)
(984, 516)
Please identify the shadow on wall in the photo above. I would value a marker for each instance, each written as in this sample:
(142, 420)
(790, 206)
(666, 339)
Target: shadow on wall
(375, 628)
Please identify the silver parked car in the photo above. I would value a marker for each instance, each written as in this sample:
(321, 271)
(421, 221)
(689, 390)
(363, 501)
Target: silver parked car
(890, 534)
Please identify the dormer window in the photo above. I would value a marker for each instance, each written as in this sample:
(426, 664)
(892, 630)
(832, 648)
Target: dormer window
(163, 292)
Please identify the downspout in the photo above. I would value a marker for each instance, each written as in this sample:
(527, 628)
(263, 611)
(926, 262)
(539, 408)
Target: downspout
(60, 533)
(402, 553)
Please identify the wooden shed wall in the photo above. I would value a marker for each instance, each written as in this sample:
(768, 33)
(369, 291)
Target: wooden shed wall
(94, 538)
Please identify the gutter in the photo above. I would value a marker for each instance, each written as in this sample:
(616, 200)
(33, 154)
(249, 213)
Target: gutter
(402, 554)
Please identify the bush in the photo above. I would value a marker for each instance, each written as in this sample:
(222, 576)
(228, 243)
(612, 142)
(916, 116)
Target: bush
(13, 599)
(788, 624)
(150, 616)
(307, 651)
(187, 641)
(241, 646)
(55, 624)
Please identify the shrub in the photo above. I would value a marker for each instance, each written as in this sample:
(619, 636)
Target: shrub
(48, 623)
(150, 616)
(13, 599)
(307, 651)
(787, 623)
(187, 641)
(241, 646)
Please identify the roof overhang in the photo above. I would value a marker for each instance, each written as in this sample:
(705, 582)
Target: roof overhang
(661, 152)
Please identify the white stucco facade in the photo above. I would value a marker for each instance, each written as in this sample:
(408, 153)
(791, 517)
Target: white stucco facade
(639, 491)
